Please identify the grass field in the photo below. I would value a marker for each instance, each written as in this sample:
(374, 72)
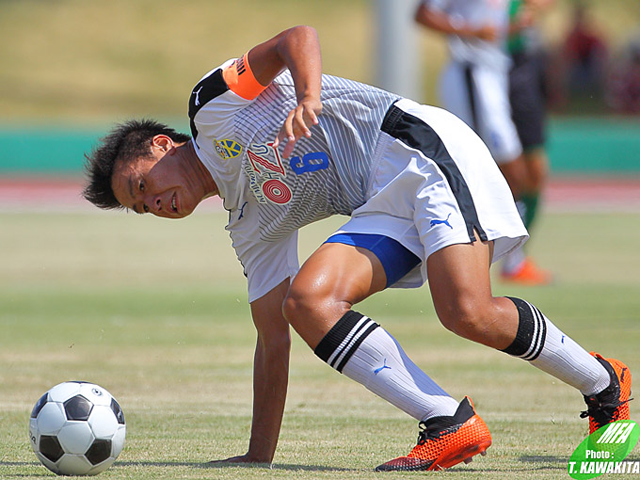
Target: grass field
(155, 311)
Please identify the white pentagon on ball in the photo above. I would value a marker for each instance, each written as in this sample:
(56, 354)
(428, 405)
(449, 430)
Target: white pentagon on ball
(77, 428)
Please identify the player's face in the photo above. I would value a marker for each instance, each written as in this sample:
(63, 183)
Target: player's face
(159, 184)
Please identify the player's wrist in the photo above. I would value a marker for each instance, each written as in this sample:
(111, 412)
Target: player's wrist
(259, 455)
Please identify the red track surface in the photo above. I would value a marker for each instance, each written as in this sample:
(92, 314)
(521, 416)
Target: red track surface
(582, 194)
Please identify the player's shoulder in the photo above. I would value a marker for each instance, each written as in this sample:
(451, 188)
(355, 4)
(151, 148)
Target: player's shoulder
(210, 86)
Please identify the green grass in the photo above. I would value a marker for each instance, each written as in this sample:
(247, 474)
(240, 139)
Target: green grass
(155, 311)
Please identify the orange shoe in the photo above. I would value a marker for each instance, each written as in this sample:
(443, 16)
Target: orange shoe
(612, 403)
(445, 442)
(528, 274)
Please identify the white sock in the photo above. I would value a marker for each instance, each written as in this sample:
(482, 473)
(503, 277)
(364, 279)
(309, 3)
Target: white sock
(546, 347)
(366, 353)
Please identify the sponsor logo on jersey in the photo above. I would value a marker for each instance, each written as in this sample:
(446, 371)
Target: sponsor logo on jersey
(266, 172)
(264, 158)
(227, 148)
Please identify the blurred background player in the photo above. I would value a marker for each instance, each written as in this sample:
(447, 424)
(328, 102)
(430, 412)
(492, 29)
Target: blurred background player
(475, 86)
(527, 96)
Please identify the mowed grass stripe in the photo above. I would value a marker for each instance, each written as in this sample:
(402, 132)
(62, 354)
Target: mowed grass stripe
(156, 312)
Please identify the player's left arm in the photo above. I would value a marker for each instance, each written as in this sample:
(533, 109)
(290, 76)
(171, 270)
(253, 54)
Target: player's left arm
(297, 49)
(270, 376)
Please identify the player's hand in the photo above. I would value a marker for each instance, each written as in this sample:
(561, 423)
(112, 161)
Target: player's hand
(488, 33)
(298, 124)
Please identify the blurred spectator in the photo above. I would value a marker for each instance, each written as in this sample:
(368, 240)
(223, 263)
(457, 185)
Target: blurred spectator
(623, 93)
(581, 66)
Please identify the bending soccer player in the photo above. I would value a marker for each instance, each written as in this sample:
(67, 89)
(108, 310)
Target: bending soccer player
(284, 146)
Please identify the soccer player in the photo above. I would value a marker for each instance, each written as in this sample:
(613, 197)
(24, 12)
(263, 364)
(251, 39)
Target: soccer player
(284, 145)
(475, 86)
(528, 111)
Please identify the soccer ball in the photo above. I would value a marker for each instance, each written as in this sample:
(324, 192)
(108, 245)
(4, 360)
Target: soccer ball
(77, 428)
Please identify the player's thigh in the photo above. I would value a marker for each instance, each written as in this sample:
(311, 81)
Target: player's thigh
(334, 277)
(460, 283)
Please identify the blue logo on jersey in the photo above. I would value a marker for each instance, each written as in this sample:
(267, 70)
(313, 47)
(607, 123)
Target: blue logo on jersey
(436, 221)
(310, 162)
(242, 210)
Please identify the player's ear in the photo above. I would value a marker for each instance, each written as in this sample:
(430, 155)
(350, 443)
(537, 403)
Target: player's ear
(162, 142)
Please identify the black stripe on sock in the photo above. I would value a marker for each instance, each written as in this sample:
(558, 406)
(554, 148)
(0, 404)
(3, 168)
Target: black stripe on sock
(346, 326)
(355, 345)
(526, 330)
(337, 334)
(541, 335)
(364, 324)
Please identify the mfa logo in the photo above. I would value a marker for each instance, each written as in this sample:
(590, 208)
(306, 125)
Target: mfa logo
(605, 451)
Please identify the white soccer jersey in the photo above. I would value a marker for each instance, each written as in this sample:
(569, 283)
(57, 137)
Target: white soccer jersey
(477, 13)
(269, 198)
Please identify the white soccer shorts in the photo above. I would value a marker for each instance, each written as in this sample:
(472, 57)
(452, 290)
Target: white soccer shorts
(435, 184)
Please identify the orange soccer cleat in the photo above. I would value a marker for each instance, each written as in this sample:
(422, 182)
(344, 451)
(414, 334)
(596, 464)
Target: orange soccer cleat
(445, 442)
(612, 403)
(528, 273)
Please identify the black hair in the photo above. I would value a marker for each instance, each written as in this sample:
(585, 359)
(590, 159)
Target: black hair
(127, 142)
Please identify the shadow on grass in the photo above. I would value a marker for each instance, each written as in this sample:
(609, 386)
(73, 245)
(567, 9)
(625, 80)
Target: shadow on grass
(277, 466)
(288, 467)
(555, 462)
(291, 467)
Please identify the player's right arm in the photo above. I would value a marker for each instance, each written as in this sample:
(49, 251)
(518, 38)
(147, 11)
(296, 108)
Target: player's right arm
(270, 376)
(441, 22)
(296, 49)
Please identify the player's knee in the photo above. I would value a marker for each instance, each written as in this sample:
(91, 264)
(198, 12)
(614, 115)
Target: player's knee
(467, 318)
(301, 303)
(310, 309)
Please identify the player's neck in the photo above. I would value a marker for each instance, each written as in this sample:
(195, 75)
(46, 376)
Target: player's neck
(190, 157)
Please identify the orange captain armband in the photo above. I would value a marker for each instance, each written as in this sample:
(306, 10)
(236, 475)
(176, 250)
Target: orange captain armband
(240, 80)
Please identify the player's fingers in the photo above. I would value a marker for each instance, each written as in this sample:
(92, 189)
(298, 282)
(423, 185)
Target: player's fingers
(312, 117)
(286, 132)
(288, 148)
(300, 124)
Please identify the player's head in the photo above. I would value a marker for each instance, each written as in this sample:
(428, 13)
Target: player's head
(125, 170)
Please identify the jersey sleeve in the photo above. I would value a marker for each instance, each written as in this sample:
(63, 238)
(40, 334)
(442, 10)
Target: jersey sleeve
(266, 264)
